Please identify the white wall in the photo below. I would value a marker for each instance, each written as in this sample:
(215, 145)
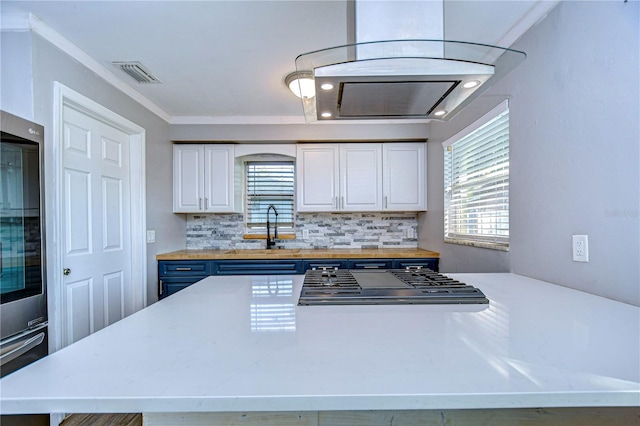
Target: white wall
(574, 154)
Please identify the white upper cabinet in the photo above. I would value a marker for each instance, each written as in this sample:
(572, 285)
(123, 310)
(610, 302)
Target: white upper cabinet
(203, 179)
(404, 176)
(317, 177)
(361, 177)
(188, 178)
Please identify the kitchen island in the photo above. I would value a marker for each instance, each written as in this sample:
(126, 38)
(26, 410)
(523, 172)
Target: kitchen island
(240, 344)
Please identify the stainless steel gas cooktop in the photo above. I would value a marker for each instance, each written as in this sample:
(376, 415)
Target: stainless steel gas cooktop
(385, 287)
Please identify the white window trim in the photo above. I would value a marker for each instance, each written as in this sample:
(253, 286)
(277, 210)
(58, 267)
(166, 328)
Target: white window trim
(502, 107)
(495, 112)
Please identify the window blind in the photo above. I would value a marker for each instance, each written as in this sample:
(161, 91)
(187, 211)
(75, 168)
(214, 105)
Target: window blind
(476, 183)
(269, 183)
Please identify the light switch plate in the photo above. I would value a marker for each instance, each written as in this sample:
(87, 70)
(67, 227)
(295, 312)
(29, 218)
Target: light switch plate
(305, 234)
(151, 236)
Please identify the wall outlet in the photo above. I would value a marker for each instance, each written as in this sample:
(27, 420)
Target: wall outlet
(410, 233)
(151, 236)
(580, 248)
(305, 234)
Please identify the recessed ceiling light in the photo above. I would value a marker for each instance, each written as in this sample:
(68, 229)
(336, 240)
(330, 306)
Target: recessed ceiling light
(326, 86)
(326, 114)
(440, 113)
(471, 84)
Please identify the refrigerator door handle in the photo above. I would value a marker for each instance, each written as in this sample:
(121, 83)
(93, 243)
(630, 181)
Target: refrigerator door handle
(19, 348)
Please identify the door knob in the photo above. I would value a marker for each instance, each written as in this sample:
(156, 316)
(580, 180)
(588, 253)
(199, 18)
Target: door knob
(66, 271)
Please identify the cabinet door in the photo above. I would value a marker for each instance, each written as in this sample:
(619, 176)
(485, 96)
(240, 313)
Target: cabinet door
(405, 176)
(324, 263)
(257, 267)
(360, 177)
(317, 177)
(168, 286)
(188, 178)
(218, 178)
(370, 263)
(182, 268)
(431, 263)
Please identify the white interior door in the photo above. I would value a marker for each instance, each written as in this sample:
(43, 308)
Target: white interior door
(96, 234)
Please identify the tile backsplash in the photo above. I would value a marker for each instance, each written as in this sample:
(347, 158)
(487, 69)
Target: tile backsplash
(326, 230)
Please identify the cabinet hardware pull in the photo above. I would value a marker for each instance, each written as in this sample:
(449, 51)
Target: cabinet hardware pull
(335, 202)
(386, 204)
(342, 202)
(199, 203)
(160, 287)
(206, 203)
(183, 269)
(66, 271)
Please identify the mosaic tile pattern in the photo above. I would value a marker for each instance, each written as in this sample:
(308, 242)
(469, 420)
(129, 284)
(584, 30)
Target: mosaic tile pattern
(326, 230)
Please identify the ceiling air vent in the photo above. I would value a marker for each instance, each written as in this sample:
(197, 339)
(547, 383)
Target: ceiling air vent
(137, 71)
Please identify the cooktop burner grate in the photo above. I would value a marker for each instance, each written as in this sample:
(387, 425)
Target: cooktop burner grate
(329, 278)
(424, 278)
(394, 286)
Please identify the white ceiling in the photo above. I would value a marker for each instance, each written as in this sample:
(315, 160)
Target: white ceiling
(227, 60)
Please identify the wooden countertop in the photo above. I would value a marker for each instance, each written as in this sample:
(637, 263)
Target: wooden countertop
(399, 253)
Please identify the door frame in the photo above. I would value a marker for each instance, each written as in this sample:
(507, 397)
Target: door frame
(64, 96)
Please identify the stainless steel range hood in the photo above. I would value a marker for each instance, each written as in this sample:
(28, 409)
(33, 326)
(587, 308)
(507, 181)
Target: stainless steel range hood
(400, 67)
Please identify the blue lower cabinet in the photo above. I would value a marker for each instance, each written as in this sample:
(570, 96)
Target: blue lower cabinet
(257, 267)
(174, 275)
(181, 268)
(324, 263)
(431, 263)
(370, 263)
(171, 285)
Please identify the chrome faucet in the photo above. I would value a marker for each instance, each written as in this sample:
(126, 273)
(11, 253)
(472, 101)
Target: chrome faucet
(270, 242)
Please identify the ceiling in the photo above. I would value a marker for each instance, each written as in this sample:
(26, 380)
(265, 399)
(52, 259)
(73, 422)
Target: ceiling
(226, 61)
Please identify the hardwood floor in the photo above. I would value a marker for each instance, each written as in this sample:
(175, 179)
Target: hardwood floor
(103, 420)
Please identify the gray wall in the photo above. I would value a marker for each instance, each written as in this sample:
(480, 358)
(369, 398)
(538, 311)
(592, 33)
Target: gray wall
(454, 257)
(16, 82)
(574, 149)
(49, 65)
(299, 132)
(574, 126)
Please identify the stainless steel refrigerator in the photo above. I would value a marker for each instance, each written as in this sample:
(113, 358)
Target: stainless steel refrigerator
(23, 310)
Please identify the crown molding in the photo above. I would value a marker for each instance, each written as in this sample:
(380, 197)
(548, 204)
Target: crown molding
(276, 120)
(535, 14)
(30, 22)
(292, 119)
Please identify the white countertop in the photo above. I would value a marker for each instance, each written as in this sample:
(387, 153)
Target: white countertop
(241, 344)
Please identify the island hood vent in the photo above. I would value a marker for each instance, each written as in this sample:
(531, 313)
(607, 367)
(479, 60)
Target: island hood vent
(385, 75)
